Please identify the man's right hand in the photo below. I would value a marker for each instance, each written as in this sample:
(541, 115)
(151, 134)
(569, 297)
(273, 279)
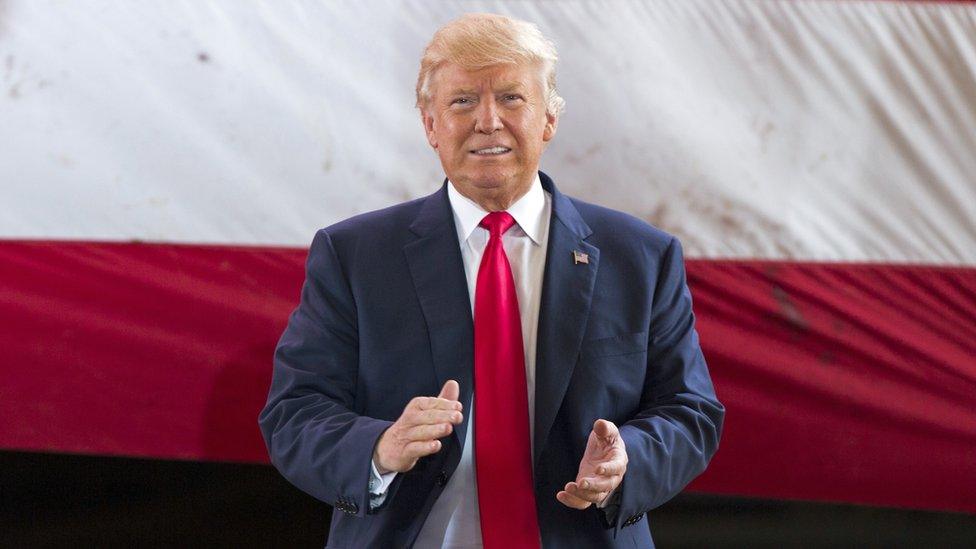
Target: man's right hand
(415, 434)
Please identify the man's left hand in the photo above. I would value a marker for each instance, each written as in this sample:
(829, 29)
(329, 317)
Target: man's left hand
(601, 469)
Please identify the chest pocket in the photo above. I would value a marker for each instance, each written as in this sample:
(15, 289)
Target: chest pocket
(620, 345)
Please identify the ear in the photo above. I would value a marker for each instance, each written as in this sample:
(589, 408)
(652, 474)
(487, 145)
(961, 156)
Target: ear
(428, 122)
(552, 121)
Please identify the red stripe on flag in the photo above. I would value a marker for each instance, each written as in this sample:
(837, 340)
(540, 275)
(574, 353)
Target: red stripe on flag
(852, 383)
(140, 350)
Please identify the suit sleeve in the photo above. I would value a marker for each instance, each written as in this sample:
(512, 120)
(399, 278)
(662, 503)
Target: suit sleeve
(671, 440)
(314, 437)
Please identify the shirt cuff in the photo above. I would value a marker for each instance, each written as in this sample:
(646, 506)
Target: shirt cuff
(613, 498)
(378, 485)
(610, 507)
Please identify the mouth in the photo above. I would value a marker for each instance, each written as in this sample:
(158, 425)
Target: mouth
(491, 151)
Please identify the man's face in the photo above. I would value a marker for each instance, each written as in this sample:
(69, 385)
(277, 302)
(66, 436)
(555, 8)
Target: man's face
(489, 127)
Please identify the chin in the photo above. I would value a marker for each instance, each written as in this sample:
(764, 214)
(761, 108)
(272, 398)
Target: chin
(487, 183)
(494, 179)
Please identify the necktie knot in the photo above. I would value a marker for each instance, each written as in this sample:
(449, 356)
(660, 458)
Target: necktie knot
(497, 223)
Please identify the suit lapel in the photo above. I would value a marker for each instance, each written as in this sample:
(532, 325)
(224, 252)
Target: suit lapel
(442, 289)
(567, 291)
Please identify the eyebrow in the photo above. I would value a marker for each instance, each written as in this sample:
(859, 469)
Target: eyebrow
(507, 87)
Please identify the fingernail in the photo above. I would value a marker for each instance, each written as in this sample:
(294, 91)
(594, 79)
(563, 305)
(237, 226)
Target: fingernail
(585, 484)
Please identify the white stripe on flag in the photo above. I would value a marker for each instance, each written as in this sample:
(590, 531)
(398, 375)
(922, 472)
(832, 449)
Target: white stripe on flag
(782, 130)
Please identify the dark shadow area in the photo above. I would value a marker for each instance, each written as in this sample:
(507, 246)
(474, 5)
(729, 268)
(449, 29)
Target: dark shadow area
(56, 500)
(698, 520)
(52, 500)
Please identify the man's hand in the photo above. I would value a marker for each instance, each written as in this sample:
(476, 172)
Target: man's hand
(414, 435)
(601, 469)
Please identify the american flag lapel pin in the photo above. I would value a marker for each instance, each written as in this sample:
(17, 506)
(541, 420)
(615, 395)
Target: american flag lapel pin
(580, 257)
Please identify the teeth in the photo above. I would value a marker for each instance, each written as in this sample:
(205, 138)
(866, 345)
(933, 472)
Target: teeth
(492, 150)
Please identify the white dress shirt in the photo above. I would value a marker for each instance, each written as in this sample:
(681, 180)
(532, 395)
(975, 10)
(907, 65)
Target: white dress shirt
(454, 521)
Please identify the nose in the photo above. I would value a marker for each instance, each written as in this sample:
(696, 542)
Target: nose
(487, 120)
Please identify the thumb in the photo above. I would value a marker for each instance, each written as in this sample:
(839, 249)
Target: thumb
(605, 429)
(450, 391)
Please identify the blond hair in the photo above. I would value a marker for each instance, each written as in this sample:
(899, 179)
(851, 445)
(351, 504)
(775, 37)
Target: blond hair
(478, 40)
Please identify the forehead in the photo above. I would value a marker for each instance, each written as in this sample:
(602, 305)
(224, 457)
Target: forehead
(452, 78)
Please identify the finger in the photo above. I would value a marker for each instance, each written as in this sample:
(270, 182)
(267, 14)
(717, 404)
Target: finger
(612, 468)
(605, 429)
(419, 449)
(569, 500)
(450, 391)
(435, 403)
(597, 484)
(428, 432)
(433, 417)
(591, 496)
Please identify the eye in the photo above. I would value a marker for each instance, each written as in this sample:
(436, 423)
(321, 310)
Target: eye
(461, 101)
(511, 97)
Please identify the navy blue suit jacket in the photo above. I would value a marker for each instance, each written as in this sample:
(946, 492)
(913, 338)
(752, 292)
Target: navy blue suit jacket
(385, 316)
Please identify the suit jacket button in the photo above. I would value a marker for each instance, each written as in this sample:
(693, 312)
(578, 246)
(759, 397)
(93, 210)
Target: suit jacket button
(442, 478)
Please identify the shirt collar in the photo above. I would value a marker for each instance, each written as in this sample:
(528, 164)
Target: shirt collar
(528, 211)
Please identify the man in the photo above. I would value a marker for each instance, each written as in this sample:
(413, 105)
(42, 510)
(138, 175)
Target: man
(557, 336)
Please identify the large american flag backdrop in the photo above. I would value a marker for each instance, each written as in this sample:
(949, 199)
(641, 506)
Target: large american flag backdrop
(164, 166)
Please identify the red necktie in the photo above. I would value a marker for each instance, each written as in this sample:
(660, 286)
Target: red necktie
(503, 457)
